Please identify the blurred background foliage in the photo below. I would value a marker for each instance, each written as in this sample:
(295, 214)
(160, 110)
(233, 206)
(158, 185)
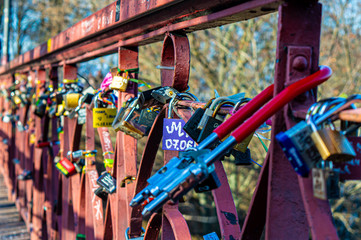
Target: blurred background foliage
(234, 58)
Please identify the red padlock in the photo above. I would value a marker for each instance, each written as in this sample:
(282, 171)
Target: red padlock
(66, 167)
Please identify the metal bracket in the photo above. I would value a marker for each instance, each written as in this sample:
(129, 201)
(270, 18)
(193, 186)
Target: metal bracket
(299, 62)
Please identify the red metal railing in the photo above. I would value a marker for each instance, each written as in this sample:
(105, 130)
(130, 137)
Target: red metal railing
(56, 207)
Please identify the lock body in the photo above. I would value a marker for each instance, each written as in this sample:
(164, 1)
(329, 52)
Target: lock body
(107, 182)
(119, 83)
(242, 158)
(103, 117)
(164, 94)
(325, 183)
(71, 100)
(210, 183)
(332, 145)
(299, 148)
(40, 109)
(191, 126)
(210, 124)
(66, 167)
(127, 120)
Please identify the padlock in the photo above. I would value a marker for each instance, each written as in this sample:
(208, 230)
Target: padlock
(120, 83)
(127, 120)
(147, 117)
(210, 183)
(209, 111)
(71, 100)
(52, 111)
(75, 155)
(174, 137)
(146, 99)
(107, 182)
(325, 181)
(85, 99)
(20, 126)
(297, 143)
(164, 94)
(79, 165)
(191, 126)
(212, 121)
(299, 148)
(66, 167)
(15, 161)
(25, 175)
(242, 158)
(102, 116)
(332, 144)
(100, 192)
(40, 109)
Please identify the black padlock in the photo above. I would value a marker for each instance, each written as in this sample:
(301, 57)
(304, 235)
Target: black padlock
(146, 99)
(40, 109)
(191, 126)
(147, 117)
(242, 158)
(212, 122)
(101, 193)
(209, 184)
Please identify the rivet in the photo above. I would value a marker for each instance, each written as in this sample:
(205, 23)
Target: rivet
(300, 63)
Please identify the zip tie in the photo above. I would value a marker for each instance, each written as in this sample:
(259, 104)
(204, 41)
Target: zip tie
(130, 70)
(109, 152)
(90, 153)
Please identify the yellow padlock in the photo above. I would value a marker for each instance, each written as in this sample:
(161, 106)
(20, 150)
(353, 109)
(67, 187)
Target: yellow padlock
(103, 117)
(71, 100)
(119, 83)
(32, 138)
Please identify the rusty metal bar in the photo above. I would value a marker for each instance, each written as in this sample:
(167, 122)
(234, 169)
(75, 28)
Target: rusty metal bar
(110, 25)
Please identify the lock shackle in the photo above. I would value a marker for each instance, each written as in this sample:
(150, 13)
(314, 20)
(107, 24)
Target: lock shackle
(133, 105)
(218, 107)
(217, 101)
(96, 99)
(315, 107)
(171, 105)
(209, 103)
(332, 114)
(188, 95)
(240, 103)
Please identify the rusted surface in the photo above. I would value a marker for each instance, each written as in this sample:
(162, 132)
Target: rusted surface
(101, 29)
(176, 54)
(59, 208)
(288, 201)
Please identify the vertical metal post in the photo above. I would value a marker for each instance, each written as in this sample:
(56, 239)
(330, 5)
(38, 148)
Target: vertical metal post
(126, 148)
(38, 190)
(290, 204)
(67, 221)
